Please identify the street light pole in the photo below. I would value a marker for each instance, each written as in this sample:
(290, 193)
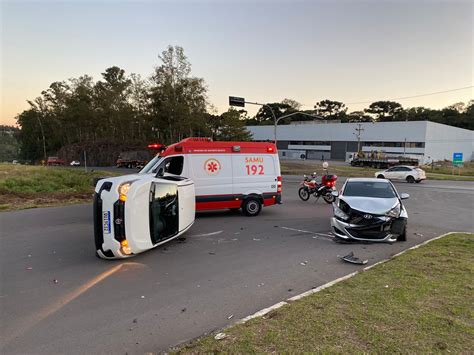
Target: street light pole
(42, 134)
(242, 102)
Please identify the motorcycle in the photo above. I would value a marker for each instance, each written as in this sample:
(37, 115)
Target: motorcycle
(309, 187)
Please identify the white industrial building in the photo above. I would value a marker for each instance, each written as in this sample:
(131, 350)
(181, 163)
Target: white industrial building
(425, 140)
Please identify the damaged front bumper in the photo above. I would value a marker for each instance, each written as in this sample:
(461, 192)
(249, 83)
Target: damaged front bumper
(380, 229)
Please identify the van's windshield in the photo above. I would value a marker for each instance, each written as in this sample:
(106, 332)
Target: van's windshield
(147, 169)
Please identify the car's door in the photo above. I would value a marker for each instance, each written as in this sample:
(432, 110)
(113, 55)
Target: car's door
(390, 173)
(404, 172)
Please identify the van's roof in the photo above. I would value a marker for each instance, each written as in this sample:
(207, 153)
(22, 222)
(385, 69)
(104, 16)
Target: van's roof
(207, 146)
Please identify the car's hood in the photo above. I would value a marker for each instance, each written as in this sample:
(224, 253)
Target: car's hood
(370, 204)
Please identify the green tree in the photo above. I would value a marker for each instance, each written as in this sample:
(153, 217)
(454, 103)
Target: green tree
(330, 109)
(358, 116)
(231, 127)
(178, 101)
(385, 110)
(264, 115)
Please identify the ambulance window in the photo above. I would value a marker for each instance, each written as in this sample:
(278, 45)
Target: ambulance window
(174, 165)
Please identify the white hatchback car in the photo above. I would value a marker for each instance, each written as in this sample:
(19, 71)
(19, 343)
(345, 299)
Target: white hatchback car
(410, 174)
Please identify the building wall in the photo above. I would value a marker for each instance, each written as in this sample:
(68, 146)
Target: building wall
(383, 131)
(423, 139)
(442, 141)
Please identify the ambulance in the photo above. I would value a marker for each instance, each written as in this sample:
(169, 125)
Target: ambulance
(226, 175)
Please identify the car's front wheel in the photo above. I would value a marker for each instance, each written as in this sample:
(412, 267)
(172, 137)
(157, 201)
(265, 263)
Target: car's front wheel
(403, 237)
(410, 179)
(303, 193)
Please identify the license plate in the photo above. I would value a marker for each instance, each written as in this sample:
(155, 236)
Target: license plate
(106, 222)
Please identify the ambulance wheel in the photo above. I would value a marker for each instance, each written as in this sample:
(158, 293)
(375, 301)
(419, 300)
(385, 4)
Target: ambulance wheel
(251, 207)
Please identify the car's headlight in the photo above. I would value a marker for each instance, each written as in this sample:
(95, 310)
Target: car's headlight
(123, 190)
(340, 213)
(394, 212)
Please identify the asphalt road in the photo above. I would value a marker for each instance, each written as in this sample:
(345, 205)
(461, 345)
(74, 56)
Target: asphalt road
(57, 297)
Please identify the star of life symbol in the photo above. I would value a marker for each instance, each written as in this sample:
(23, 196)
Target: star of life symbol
(212, 166)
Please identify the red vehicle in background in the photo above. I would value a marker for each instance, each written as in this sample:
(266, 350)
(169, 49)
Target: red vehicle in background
(55, 161)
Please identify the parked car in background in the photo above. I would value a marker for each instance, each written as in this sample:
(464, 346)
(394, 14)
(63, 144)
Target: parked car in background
(369, 209)
(410, 174)
(55, 161)
(75, 163)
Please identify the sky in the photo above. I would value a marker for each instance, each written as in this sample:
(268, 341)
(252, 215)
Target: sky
(265, 51)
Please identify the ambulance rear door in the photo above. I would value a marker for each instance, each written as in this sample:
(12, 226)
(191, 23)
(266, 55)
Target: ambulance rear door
(254, 174)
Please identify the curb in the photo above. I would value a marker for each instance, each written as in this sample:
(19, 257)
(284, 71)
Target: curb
(265, 311)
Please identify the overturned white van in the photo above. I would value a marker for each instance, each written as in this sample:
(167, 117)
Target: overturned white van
(132, 215)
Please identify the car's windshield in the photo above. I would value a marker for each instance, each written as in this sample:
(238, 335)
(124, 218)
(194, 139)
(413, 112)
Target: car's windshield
(148, 168)
(377, 189)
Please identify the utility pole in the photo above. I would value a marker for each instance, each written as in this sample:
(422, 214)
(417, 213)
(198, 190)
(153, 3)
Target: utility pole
(42, 134)
(359, 130)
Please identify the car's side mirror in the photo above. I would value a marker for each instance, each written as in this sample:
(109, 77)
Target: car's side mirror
(161, 171)
(335, 193)
(404, 196)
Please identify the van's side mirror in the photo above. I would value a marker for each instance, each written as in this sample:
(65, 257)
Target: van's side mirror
(161, 171)
(335, 193)
(404, 196)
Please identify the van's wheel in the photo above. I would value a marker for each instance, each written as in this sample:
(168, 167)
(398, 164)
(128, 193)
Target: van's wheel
(410, 179)
(403, 237)
(252, 207)
(380, 176)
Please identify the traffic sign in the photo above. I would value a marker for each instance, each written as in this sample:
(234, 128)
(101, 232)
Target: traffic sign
(457, 159)
(236, 101)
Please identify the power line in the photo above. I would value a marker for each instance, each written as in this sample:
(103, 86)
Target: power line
(410, 97)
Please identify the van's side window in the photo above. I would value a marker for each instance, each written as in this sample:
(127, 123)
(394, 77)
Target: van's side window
(173, 165)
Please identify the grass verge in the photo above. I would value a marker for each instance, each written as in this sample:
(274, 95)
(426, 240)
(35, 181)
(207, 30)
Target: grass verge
(419, 302)
(307, 167)
(24, 186)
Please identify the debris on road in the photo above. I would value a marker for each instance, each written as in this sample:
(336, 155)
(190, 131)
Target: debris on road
(142, 297)
(256, 239)
(55, 281)
(220, 336)
(418, 234)
(29, 268)
(230, 317)
(211, 253)
(350, 258)
(135, 320)
(290, 290)
(183, 310)
(304, 263)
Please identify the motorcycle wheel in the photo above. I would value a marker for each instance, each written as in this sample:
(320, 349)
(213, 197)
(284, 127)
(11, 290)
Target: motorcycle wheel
(303, 194)
(329, 198)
